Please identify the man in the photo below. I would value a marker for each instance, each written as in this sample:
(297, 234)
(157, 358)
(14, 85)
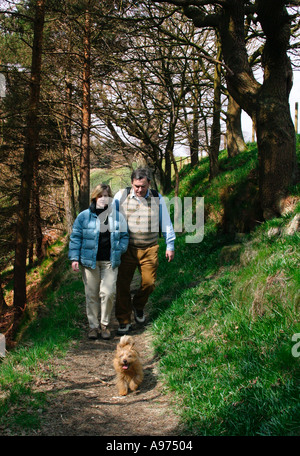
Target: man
(147, 215)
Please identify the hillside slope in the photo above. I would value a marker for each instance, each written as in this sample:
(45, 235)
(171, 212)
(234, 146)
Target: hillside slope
(226, 311)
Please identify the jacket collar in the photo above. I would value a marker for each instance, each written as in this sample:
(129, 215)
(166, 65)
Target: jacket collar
(92, 208)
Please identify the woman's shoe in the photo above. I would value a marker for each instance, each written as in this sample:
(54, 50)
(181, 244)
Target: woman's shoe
(93, 333)
(105, 332)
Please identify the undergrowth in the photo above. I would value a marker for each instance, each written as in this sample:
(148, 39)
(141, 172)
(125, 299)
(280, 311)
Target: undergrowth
(49, 329)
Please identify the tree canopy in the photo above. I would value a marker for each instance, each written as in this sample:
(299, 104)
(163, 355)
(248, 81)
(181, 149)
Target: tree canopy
(115, 83)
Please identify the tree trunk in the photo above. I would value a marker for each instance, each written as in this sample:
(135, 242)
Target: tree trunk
(195, 134)
(234, 135)
(38, 233)
(84, 188)
(30, 160)
(170, 159)
(167, 178)
(277, 160)
(69, 199)
(266, 104)
(276, 138)
(216, 126)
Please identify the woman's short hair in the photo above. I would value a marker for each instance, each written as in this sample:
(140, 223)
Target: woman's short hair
(98, 191)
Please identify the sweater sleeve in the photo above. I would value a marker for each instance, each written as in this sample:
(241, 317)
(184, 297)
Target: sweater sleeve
(166, 224)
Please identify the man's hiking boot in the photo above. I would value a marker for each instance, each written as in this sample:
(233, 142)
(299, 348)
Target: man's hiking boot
(139, 316)
(124, 329)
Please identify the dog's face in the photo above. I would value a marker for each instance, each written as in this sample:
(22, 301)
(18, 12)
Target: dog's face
(126, 356)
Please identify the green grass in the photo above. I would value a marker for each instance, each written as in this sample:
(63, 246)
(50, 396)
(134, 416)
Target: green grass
(228, 362)
(224, 314)
(47, 332)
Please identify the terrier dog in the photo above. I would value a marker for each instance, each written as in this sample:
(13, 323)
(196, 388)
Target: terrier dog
(128, 366)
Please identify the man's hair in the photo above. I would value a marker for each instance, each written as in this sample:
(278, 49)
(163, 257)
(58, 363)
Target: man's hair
(140, 173)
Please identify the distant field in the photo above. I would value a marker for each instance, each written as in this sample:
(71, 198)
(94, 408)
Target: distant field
(116, 178)
(120, 177)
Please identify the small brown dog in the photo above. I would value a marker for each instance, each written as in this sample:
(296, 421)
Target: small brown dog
(128, 366)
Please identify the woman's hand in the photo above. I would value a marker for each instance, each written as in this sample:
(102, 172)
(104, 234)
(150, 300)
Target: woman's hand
(75, 266)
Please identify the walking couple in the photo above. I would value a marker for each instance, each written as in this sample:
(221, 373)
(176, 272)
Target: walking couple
(112, 238)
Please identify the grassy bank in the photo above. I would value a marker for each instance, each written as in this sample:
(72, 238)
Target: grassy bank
(50, 327)
(224, 315)
(224, 334)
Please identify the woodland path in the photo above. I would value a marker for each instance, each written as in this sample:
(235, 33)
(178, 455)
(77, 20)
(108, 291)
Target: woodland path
(84, 401)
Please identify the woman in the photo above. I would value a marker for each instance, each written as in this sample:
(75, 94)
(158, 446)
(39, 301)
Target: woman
(99, 237)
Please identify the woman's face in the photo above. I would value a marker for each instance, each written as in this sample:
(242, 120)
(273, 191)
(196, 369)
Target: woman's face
(102, 200)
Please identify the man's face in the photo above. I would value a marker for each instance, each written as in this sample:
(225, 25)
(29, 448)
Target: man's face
(140, 187)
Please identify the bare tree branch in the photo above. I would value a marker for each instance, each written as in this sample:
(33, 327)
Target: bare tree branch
(194, 2)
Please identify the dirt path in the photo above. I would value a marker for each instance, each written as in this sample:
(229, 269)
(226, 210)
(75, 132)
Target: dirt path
(84, 399)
